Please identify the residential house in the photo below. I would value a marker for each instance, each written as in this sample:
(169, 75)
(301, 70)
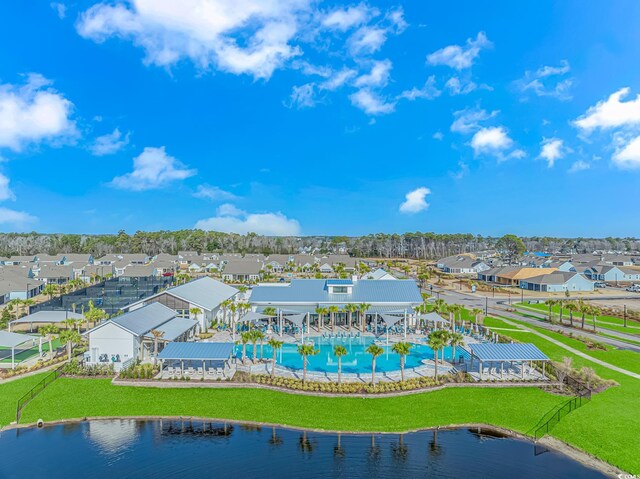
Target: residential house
(379, 274)
(54, 273)
(242, 270)
(461, 264)
(557, 282)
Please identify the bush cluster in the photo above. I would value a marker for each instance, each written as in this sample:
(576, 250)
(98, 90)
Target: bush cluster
(74, 368)
(139, 371)
(353, 387)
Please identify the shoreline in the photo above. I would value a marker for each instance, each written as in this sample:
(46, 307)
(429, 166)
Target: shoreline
(548, 442)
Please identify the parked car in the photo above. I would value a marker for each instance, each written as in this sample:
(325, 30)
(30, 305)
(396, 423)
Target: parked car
(600, 284)
(634, 289)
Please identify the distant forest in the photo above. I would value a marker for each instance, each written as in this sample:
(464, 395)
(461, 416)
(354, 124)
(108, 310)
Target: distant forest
(408, 245)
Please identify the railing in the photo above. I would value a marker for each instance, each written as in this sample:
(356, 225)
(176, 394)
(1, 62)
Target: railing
(35, 390)
(571, 405)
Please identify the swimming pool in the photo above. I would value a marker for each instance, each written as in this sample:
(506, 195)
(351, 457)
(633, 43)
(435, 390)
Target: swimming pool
(356, 361)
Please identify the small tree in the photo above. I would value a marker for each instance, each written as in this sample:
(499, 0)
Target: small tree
(455, 340)
(256, 335)
(436, 342)
(275, 345)
(338, 352)
(70, 337)
(306, 350)
(244, 339)
(374, 350)
(402, 349)
(49, 331)
(156, 337)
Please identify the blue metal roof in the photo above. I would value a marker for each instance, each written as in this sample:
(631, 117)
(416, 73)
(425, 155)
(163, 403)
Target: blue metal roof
(175, 328)
(339, 281)
(313, 291)
(507, 352)
(197, 351)
(142, 320)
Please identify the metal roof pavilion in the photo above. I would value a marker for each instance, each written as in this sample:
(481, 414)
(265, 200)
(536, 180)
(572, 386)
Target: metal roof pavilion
(197, 351)
(507, 352)
(175, 328)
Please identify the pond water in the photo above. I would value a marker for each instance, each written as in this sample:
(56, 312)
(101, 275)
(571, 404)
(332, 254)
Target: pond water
(172, 448)
(357, 359)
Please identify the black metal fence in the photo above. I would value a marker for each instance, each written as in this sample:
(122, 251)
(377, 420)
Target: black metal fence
(110, 295)
(35, 390)
(571, 405)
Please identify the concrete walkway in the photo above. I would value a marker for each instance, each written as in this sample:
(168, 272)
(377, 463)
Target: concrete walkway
(574, 351)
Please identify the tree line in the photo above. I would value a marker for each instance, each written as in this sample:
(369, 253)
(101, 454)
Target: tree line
(419, 245)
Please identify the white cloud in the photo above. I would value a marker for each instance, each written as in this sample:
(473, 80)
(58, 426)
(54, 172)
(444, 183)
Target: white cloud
(415, 201)
(302, 96)
(438, 135)
(428, 91)
(367, 40)
(213, 193)
(32, 113)
(551, 150)
(371, 103)
(5, 190)
(495, 141)
(152, 169)
(460, 57)
(60, 9)
(110, 143)
(345, 18)
(230, 219)
(15, 218)
(377, 77)
(628, 156)
(611, 113)
(543, 81)
(470, 119)
(579, 165)
(236, 36)
(337, 79)
(456, 86)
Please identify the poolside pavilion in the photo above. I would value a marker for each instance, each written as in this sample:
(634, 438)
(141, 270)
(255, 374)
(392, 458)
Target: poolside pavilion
(14, 341)
(516, 356)
(207, 360)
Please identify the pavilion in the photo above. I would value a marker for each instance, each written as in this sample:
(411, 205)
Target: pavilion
(46, 317)
(14, 340)
(207, 358)
(510, 353)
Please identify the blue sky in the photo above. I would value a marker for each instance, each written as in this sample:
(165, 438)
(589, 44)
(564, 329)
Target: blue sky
(303, 117)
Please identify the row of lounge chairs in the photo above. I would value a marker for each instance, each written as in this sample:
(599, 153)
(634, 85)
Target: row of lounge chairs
(191, 371)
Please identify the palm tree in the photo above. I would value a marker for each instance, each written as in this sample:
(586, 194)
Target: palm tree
(454, 310)
(436, 342)
(269, 311)
(275, 345)
(402, 349)
(233, 307)
(350, 309)
(244, 339)
(374, 350)
(321, 311)
(196, 312)
(440, 306)
(476, 313)
(256, 335)
(560, 304)
(306, 350)
(339, 351)
(584, 309)
(455, 340)
(572, 308)
(156, 337)
(51, 290)
(26, 303)
(551, 303)
(362, 310)
(48, 331)
(70, 336)
(333, 309)
(225, 306)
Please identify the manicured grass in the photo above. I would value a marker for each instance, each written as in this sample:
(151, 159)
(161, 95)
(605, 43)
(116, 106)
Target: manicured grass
(518, 409)
(609, 425)
(28, 353)
(10, 392)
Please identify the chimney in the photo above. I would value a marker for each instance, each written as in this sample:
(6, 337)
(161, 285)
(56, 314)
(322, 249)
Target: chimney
(354, 278)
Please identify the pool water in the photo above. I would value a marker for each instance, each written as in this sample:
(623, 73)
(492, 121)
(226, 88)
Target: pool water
(174, 449)
(357, 359)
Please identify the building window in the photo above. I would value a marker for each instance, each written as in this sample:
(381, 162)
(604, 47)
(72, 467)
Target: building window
(340, 289)
(182, 313)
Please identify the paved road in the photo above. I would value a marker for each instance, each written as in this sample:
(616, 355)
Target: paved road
(493, 305)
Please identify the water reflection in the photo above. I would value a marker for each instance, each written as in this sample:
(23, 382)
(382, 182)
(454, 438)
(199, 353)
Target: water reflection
(184, 448)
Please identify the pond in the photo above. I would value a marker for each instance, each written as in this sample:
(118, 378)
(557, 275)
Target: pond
(174, 448)
(356, 361)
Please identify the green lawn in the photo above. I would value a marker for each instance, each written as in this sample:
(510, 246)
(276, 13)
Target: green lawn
(10, 392)
(609, 426)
